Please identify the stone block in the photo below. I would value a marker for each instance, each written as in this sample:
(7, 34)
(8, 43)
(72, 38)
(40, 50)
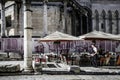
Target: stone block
(9, 68)
(2, 56)
(14, 55)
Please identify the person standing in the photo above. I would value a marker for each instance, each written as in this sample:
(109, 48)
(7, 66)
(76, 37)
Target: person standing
(94, 55)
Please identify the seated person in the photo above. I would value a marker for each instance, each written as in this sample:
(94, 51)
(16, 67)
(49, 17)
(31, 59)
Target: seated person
(105, 60)
(101, 51)
(118, 60)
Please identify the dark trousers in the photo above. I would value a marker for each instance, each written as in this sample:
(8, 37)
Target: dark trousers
(94, 60)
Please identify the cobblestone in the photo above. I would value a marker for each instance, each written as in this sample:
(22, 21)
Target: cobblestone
(61, 77)
(86, 69)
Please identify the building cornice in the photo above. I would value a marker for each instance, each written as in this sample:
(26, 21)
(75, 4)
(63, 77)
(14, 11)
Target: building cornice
(106, 1)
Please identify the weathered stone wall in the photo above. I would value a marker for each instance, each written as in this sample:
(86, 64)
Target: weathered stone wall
(20, 24)
(37, 19)
(56, 17)
(54, 21)
(106, 1)
(106, 6)
(9, 12)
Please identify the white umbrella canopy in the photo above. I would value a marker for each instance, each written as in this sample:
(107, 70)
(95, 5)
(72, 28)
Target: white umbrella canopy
(118, 37)
(99, 35)
(59, 36)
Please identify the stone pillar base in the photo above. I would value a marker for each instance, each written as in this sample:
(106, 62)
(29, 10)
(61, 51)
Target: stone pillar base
(28, 70)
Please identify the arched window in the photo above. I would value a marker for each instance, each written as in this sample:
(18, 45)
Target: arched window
(8, 21)
(97, 20)
(117, 21)
(103, 15)
(110, 21)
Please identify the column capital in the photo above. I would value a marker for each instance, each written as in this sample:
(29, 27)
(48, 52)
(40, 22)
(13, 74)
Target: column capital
(3, 1)
(18, 2)
(29, 28)
(65, 0)
(28, 10)
(3, 19)
(45, 1)
(27, 5)
(26, 1)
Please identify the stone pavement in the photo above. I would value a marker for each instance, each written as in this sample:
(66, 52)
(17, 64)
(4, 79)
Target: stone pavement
(100, 69)
(88, 70)
(61, 77)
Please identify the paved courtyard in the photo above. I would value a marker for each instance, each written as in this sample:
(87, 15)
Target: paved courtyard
(61, 77)
(86, 69)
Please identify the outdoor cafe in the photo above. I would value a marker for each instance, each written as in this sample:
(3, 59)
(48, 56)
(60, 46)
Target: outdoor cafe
(70, 49)
(77, 50)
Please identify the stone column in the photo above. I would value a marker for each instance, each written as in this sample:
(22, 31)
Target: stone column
(45, 25)
(16, 17)
(73, 22)
(93, 23)
(118, 25)
(3, 19)
(27, 36)
(107, 24)
(87, 23)
(81, 25)
(75, 26)
(104, 24)
(98, 27)
(65, 16)
(114, 25)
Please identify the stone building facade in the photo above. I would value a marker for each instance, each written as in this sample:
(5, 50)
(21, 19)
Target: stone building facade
(106, 15)
(74, 17)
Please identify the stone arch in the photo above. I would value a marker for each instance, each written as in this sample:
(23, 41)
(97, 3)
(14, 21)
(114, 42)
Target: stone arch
(103, 23)
(110, 21)
(103, 14)
(116, 14)
(88, 19)
(97, 20)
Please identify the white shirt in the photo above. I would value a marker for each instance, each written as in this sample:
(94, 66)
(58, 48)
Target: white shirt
(95, 50)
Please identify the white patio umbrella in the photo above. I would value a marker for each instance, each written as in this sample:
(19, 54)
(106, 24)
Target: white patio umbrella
(98, 35)
(118, 37)
(59, 36)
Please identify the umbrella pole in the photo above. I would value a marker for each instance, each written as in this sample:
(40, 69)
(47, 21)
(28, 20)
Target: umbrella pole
(57, 46)
(57, 52)
(105, 46)
(111, 45)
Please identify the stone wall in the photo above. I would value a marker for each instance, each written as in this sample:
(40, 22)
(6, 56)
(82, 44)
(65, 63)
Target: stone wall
(9, 12)
(55, 20)
(37, 19)
(56, 17)
(107, 7)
